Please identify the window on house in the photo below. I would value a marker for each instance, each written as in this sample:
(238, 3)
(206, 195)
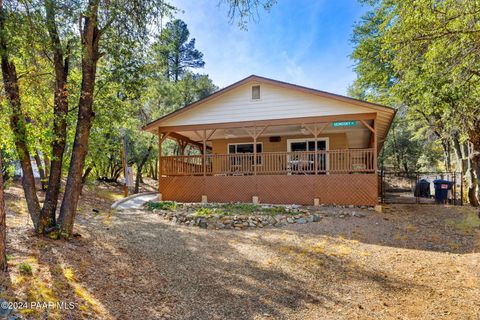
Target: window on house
(243, 148)
(256, 92)
(235, 148)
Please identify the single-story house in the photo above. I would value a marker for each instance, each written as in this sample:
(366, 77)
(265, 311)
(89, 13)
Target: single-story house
(273, 142)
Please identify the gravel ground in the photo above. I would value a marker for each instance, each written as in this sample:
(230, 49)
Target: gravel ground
(408, 263)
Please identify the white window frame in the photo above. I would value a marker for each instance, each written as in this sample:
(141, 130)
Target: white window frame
(327, 147)
(237, 143)
(249, 142)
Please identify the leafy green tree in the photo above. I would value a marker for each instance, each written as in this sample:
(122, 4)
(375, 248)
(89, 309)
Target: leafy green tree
(18, 122)
(419, 55)
(55, 57)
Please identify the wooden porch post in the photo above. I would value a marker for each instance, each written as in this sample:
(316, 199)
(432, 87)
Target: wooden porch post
(159, 163)
(161, 138)
(255, 150)
(204, 137)
(204, 140)
(373, 130)
(315, 161)
(316, 132)
(255, 135)
(375, 146)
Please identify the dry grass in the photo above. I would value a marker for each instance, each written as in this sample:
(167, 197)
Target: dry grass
(416, 262)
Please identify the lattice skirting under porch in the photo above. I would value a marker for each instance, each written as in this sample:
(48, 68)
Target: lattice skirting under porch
(340, 189)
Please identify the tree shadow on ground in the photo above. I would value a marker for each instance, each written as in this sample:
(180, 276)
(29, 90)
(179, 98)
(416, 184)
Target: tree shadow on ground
(434, 228)
(132, 266)
(153, 269)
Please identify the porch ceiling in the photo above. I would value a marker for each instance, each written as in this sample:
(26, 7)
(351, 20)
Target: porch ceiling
(358, 136)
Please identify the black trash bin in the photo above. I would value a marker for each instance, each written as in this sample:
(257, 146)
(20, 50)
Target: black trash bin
(441, 190)
(422, 189)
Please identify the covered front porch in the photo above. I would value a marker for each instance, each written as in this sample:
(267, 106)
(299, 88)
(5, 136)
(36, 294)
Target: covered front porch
(311, 160)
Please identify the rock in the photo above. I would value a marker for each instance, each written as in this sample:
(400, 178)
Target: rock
(202, 224)
(301, 220)
(316, 218)
(358, 214)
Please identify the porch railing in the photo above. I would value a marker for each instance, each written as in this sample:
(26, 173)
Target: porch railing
(266, 163)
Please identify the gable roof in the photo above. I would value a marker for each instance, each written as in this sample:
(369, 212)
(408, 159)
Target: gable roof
(254, 78)
(385, 114)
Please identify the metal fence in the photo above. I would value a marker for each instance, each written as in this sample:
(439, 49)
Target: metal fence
(418, 187)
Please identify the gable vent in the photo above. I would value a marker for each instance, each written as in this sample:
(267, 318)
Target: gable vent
(255, 92)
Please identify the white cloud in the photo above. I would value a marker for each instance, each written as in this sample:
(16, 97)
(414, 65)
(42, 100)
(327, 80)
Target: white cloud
(293, 69)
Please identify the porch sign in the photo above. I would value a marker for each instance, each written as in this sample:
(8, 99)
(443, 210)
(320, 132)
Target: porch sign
(351, 123)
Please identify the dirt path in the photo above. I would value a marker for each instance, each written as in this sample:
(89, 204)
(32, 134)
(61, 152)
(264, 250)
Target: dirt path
(408, 263)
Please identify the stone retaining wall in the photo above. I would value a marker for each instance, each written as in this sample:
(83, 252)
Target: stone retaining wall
(239, 222)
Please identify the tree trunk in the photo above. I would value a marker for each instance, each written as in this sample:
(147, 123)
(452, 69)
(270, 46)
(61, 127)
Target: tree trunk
(459, 153)
(465, 165)
(446, 154)
(41, 171)
(90, 42)
(3, 226)
(155, 170)
(476, 170)
(469, 176)
(46, 165)
(140, 166)
(18, 125)
(60, 110)
(86, 174)
(137, 179)
(85, 177)
(474, 136)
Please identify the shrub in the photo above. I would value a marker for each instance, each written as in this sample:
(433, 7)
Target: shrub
(203, 212)
(162, 205)
(241, 208)
(25, 268)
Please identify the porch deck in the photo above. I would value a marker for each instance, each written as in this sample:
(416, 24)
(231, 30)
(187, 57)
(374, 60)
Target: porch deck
(332, 177)
(344, 161)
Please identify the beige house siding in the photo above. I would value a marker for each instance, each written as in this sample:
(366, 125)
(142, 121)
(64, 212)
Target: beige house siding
(274, 103)
(336, 141)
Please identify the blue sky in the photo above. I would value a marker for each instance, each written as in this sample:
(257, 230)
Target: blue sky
(299, 41)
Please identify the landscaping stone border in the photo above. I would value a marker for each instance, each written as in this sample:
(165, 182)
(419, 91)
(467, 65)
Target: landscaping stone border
(295, 215)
